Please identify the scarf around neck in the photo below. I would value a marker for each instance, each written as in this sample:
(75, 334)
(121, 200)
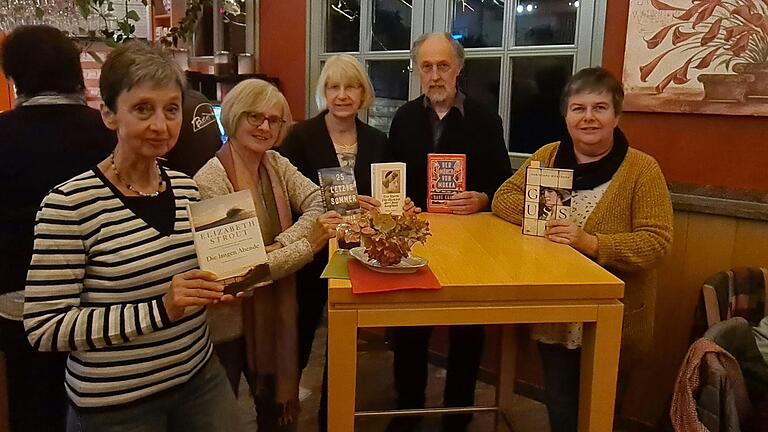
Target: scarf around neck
(269, 314)
(51, 99)
(592, 174)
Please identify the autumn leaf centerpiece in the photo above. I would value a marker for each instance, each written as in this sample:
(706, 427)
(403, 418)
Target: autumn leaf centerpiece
(388, 238)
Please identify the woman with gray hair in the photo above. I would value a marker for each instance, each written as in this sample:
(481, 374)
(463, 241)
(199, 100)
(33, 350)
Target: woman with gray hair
(621, 218)
(257, 335)
(114, 278)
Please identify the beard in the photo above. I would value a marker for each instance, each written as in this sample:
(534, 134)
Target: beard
(438, 94)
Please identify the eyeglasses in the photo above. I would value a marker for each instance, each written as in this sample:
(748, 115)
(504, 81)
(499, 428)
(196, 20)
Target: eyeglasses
(441, 68)
(336, 88)
(257, 119)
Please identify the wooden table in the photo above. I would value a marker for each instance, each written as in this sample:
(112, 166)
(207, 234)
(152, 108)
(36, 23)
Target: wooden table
(490, 274)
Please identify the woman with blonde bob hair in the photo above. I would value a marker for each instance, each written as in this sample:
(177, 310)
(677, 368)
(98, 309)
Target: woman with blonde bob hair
(334, 138)
(257, 334)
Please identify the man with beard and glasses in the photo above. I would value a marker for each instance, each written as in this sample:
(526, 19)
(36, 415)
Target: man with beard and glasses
(444, 120)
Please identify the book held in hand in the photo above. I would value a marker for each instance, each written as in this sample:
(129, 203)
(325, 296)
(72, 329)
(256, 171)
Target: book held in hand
(446, 177)
(547, 197)
(228, 241)
(339, 190)
(388, 186)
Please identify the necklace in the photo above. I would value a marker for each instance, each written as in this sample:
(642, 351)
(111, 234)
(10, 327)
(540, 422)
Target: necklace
(130, 188)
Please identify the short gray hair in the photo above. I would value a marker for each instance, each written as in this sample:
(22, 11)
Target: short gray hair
(137, 63)
(458, 49)
(594, 80)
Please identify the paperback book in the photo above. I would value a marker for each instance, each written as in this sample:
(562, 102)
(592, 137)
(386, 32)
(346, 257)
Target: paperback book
(447, 176)
(547, 197)
(228, 241)
(388, 186)
(339, 190)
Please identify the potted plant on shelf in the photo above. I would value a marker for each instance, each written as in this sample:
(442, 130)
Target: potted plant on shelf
(709, 34)
(388, 238)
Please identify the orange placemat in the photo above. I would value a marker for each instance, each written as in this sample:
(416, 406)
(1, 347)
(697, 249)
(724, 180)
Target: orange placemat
(366, 281)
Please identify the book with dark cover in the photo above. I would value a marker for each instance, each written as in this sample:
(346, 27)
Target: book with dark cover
(339, 190)
(446, 177)
(547, 197)
(228, 241)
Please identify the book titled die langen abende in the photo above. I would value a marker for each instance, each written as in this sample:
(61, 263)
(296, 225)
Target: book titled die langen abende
(446, 177)
(228, 241)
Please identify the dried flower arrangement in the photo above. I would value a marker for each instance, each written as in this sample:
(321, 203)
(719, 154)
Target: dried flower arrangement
(389, 238)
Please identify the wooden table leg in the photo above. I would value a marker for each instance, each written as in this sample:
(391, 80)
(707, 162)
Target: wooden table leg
(342, 369)
(599, 369)
(505, 390)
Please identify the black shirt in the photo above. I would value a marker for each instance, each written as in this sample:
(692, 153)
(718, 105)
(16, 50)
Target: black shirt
(41, 146)
(477, 133)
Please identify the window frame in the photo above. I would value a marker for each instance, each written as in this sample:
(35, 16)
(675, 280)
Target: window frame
(437, 15)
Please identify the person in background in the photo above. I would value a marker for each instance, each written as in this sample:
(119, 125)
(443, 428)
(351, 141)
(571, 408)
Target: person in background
(114, 278)
(621, 217)
(199, 139)
(444, 120)
(50, 136)
(257, 336)
(333, 138)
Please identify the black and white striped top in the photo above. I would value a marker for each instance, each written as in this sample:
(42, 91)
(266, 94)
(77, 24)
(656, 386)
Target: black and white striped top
(95, 288)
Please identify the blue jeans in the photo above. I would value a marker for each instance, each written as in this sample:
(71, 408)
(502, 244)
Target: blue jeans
(205, 403)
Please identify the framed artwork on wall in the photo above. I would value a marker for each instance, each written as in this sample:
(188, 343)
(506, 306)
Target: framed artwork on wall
(705, 56)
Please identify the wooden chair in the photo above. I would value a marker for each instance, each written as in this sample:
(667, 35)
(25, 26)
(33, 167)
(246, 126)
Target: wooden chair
(739, 292)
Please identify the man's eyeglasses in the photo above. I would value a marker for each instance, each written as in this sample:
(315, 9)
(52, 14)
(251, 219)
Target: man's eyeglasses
(257, 119)
(441, 67)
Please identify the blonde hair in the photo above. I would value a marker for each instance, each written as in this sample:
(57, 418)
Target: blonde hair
(345, 69)
(253, 95)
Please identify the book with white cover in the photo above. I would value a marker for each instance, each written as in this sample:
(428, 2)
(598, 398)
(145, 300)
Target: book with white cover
(388, 186)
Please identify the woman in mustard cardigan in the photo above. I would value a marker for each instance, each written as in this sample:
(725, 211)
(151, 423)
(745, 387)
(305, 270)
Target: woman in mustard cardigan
(621, 218)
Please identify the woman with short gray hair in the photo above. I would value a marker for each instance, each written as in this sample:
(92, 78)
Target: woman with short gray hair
(114, 278)
(621, 217)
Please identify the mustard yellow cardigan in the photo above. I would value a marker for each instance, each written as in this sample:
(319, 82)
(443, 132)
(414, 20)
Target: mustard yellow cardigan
(633, 226)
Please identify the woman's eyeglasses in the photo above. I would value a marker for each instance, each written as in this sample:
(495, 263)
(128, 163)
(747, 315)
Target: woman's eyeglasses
(257, 119)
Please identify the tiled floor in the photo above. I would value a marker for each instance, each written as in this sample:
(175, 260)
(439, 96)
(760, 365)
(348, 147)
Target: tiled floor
(375, 391)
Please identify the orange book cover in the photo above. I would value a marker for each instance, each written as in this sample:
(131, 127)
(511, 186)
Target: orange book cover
(447, 176)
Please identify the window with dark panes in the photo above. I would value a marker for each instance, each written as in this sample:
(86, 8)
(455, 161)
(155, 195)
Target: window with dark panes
(390, 82)
(518, 53)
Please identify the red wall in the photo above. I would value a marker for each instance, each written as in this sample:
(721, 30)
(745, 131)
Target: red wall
(713, 150)
(6, 93)
(722, 151)
(282, 48)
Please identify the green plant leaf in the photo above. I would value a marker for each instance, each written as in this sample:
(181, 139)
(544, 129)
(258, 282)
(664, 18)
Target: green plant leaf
(133, 15)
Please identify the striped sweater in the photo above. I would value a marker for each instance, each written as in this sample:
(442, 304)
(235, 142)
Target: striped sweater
(95, 288)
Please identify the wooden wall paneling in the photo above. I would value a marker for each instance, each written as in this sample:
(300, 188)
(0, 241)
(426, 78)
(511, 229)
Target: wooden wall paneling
(751, 244)
(650, 386)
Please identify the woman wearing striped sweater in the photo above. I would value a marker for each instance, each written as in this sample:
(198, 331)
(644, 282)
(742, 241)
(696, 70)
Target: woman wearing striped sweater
(113, 277)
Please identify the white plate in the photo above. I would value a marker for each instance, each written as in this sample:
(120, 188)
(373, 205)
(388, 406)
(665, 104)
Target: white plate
(407, 265)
